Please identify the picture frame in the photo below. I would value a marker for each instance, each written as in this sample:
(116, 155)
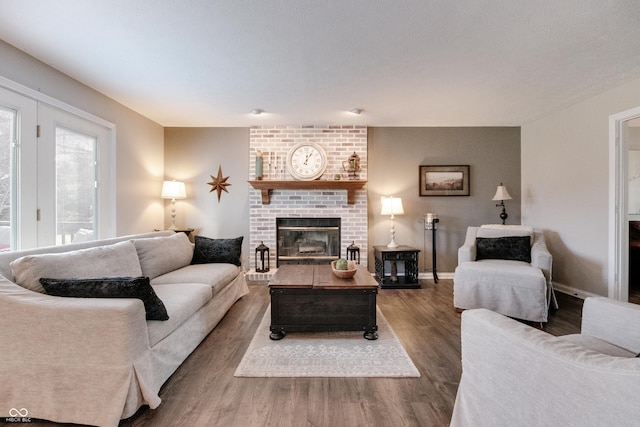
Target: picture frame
(447, 180)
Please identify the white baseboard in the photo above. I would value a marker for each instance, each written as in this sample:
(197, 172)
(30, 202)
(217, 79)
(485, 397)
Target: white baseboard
(559, 287)
(574, 292)
(578, 293)
(429, 275)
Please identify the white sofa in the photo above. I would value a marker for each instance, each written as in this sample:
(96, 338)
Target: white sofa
(513, 287)
(515, 375)
(97, 360)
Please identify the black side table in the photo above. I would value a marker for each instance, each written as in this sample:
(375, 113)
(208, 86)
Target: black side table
(186, 231)
(406, 255)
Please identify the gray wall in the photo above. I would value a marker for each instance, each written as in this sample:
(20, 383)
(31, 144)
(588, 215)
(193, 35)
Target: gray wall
(395, 154)
(566, 188)
(192, 155)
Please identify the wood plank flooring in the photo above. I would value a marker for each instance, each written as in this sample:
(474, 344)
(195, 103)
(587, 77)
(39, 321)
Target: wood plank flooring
(204, 392)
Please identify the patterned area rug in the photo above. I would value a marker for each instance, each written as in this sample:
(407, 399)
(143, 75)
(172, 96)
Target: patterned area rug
(326, 354)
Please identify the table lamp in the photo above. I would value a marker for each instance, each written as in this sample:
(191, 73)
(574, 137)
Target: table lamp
(502, 194)
(392, 206)
(173, 190)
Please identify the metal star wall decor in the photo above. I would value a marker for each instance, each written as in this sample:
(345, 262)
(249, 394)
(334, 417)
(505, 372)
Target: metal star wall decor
(219, 183)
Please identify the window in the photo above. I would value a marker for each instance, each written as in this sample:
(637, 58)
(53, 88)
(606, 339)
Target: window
(55, 187)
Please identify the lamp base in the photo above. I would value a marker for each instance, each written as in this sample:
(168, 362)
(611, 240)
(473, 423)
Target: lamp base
(503, 214)
(392, 243)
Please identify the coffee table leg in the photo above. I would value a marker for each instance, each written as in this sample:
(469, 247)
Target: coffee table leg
(277, 334)
(371, 334)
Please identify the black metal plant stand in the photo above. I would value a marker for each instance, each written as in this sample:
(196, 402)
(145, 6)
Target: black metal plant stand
(433, 248)
(430, 224)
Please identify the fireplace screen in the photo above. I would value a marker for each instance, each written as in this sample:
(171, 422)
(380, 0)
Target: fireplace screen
(308, 240)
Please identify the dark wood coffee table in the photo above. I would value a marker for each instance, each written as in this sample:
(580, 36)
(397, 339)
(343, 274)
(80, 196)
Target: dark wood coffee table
(311, 298)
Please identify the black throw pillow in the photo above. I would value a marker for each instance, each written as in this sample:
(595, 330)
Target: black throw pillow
(109, 287)
(514, 248)
(209, 250)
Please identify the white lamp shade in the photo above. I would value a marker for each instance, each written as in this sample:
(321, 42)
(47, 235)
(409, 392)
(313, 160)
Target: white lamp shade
(392, 206)
(502, 193)
(173, 190)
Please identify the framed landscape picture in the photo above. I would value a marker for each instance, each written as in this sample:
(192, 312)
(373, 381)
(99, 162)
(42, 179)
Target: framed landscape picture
(444, 180)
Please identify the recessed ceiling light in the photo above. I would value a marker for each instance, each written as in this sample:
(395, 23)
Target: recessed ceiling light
(257, 111)
(356, 110)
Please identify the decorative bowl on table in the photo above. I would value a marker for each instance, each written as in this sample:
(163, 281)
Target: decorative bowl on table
(345, 274)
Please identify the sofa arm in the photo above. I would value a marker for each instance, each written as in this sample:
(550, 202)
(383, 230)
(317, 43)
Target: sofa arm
(39, 328)
(613, 321)
(516, 375)
(467, 252)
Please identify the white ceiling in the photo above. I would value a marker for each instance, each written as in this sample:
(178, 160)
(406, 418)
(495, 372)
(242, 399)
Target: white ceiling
(405, 62)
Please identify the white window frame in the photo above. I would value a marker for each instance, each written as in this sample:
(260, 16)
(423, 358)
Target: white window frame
(108, 165)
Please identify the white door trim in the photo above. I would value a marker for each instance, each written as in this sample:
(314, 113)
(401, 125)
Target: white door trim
(618, 271)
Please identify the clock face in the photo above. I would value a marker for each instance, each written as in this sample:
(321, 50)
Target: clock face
(307, 161)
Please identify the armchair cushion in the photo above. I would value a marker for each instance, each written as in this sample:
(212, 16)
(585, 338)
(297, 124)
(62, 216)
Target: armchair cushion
(512, 288)
(499, 230)
(515, 248)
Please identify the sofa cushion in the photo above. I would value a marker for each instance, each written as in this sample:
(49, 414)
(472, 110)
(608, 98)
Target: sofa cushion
(217, 276)
(515, 248)
(597, 345)
(159, 255)
(209, 250)
(109, 287)
(116, 260)
(182, 301)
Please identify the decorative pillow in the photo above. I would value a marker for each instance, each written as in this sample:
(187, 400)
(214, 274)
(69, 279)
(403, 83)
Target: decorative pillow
(110, 287)
(116, 260)
(217, 250)
(515, 248)
(160, 255)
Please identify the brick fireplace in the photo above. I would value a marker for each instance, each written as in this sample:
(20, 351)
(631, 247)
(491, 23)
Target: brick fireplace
(339, 142)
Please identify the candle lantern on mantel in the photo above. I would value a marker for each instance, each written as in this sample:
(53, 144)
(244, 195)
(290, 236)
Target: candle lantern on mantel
(262, 253)
(352, 165)
(352, 251)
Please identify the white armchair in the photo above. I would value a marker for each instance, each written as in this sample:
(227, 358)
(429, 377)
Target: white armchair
(515, 284)
(515, 375)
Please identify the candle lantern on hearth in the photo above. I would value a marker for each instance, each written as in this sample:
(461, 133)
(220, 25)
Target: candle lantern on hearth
(352, 251)
(262, 258)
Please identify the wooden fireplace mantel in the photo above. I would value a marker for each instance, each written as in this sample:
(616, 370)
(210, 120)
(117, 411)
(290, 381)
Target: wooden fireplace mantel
(351, 185)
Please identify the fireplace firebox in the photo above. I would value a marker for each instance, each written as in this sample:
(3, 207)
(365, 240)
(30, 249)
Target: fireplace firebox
(307, 240)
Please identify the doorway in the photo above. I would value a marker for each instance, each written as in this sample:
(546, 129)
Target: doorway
(622, 130)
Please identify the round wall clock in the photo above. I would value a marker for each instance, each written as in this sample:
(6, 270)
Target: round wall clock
(307, 161)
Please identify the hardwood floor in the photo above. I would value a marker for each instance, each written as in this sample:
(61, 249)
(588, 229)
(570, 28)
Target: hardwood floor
(204, 392)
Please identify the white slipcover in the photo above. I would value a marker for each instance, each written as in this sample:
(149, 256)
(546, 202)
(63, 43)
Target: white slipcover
(513, 288)
(97, 360)
(515, 375)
